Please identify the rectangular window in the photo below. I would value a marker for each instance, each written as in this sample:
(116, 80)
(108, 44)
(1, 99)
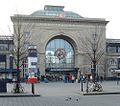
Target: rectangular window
(118, 63)
(3, 47)
(118, 49)
(111, 49)
(92, 65)
(32, 53)
(26, 34)
(33, 63)
(26, 37)
(11, 47)
(2, 58)
(112, 61)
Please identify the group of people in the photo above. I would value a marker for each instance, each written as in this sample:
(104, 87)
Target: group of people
(51, 77)
(70, 78)
(67, 78)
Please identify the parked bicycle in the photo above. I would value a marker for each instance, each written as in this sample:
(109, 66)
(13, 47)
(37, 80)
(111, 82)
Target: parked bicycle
(21, 88)
(94, 87)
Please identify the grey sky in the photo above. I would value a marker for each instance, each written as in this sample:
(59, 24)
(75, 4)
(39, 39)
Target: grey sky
(108, 9)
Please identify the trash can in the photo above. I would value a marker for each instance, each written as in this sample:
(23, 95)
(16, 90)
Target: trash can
(3, 86)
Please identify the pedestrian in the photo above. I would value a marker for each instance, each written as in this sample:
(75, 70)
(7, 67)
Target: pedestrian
(101, 79)
(91, 78)
(73, 78)
(69, 78)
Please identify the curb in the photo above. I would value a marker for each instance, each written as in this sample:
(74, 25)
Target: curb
(100, 93)
(19, 95)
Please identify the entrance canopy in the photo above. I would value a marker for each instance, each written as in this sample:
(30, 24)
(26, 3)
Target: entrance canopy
(62, 70)
(115, 71)
(3, 70)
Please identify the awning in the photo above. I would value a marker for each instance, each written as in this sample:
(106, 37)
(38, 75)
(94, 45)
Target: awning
(115, 71)
(3, 70)
(61, 69)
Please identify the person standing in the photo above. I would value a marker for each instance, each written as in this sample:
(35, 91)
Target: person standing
(73, 78)
(101, 79)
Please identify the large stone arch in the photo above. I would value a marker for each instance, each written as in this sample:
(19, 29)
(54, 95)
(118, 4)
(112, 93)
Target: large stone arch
(68, 38)
(65, 37)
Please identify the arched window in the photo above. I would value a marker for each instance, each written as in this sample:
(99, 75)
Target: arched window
(59, 54)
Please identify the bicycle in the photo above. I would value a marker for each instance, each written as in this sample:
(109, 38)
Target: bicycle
(94, 87)
(21, 88)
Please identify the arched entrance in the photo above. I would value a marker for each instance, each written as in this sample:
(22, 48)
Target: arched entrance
(60, 58)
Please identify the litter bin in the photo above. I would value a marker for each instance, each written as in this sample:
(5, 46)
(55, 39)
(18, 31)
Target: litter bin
(3, 86)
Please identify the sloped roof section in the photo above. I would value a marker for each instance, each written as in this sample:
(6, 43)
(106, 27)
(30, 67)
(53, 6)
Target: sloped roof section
(55, 11)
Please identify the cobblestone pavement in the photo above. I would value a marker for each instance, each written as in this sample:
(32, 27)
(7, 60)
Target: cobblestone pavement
(62, 94)
(61, 101)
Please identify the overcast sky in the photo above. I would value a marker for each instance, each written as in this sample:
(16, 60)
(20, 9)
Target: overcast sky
(108, 9)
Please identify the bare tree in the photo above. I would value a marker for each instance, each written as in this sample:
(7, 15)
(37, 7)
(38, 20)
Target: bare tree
(94, 46)
(21, 37)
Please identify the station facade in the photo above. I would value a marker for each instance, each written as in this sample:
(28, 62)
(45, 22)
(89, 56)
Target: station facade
(64, 40)
(59, 37)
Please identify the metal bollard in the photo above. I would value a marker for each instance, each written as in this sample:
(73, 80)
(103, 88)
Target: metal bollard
(117, 82)
(86, 85)
(81, 83)
(33, 91)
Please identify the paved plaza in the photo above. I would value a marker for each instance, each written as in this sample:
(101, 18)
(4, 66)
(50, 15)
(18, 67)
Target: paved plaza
(63, 94)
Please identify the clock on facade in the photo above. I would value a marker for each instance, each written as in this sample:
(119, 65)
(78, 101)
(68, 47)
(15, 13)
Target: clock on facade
(60, 53)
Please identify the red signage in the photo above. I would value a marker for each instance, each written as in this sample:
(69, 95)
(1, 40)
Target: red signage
(32, 80)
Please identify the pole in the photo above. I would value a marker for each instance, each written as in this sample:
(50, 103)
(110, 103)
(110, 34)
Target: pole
(5, 71)
(117, 79)
(33, 91)
(94, 72)
(82, 83)
(86, 85)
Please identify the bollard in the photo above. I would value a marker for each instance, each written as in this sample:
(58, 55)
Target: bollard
(81, 83)
(33, 89)
(117, 82)
(86, 85)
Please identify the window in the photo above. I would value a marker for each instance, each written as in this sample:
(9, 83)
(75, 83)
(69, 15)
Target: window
(11, 47)
(3, 47)
(59, 54)
(32, 53)
(26, 34)
(118, 49)
(26, 38)
(33, 63)
(119, 63)
(92, 65)
(111, 49)
(113, 61)
(2, 58)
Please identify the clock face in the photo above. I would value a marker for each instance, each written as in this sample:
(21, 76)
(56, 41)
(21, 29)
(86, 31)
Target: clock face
(60, 53)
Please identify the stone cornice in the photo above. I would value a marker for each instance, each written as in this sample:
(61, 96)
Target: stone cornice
(55, 19)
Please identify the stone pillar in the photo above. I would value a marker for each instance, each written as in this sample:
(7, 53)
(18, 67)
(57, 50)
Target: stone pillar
(42, 63)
